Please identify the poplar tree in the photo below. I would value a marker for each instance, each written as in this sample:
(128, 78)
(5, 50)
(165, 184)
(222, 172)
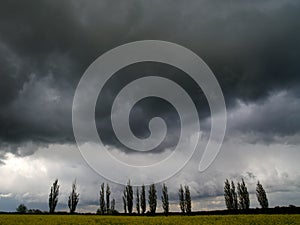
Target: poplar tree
(243, 195)
(187, 200)
(129, 197)
(165, 199)
(234, 197)
(228, 195)
(53, 196)
(143, 200)
(73, 198)
(261, 196)
(152, 199)
(137, 200)
(181, 199)
(101, 199)
(107, 198)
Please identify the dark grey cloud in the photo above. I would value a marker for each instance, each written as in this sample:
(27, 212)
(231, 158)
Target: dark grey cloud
(45, 46)
(274, 119)
(146, 109)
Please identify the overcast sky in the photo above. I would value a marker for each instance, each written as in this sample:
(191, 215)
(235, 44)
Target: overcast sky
(252, 48)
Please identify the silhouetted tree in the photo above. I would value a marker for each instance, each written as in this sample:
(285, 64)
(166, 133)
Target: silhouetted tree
(129, 197)
(73, 198)
(244, 201)
(234, 197)
(107, 198)
(188, 200)
(143, 199)
(261, 196)
(228, 195)
(165, 199)
(152, 199)
(53, 196)
(21, 209)
(137, 200)
(181, 199)
(101, 199)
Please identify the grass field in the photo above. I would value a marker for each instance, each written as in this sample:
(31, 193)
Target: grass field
(94, 219)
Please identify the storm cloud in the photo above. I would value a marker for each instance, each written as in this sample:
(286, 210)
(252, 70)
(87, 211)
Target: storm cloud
(253, 48)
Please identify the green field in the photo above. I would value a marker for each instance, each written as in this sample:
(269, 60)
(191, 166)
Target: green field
(94, 219)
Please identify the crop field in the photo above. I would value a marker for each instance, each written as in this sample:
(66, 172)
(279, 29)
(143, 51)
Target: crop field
(95, 219)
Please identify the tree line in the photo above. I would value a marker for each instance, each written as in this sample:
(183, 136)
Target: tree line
(236, 198)
(140, 200)
(108, 207)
